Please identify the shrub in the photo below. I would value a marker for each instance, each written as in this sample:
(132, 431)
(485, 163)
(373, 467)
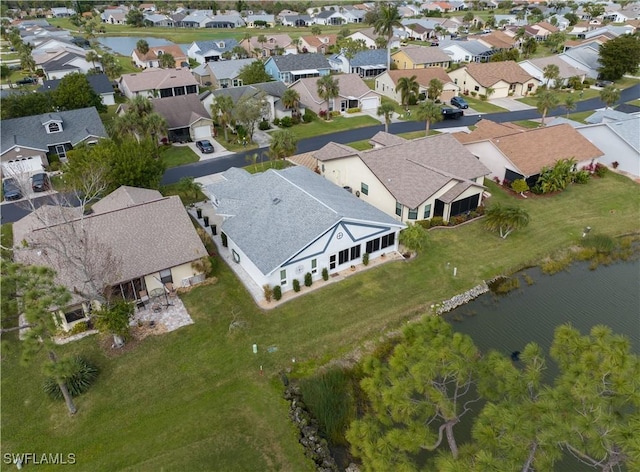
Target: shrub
(335, 113)
(426, 224)
(353, 110)
(519, 186)
(412, 100)
(581, 177)
(296, 285)
(54, 166)
(365, 258)
(78, 328)
(82, 376)
(601, 170)
(615, 164)
(601, 243)
(496, 179)
(286, 122)
(325, 274)
(295, 119)
(483, 97)
(276, 121)
(309, 116)
(307, 279)
(264, 125)
(458, 219)
(277, 292)
(423, 96)
(474, 93)
(268, 292)
(438, 221)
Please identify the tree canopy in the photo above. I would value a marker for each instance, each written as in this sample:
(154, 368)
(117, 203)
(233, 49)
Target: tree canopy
(74, 91)
(254, 73)
(620, 56)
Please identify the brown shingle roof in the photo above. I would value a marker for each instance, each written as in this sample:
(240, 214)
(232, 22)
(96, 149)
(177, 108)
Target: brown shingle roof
(322, 40)
(415, 170)
(154, 79)
(487, 129)
(425, 55)
(125, 196)
(305, 159)
(386, 139)
(534, 149)
(333, 151)
(180, 111)
(490, 73)
(152, 53)
(498, 40)
(423, 76)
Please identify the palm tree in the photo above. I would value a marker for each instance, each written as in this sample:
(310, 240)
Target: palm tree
(407, 86)
(520, 34)
(529, 46)
(570, 104)
(430, 113)
(26, 60)
(386, 110)
(92, 57)
(222, 109)
(551, 72)
(381, 42)
(328, 89)
(283, 144)
(166, 61)
(505, 219)
(609, 95)
(155, 126)
(435, 89)
(140, 106)
(547, 100)
(489, 91)
(142, 46)
(388, 17)
(262, 39)
(291, 99)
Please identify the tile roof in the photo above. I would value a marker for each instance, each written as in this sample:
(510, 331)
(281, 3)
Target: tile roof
(180, 111)
(294, 62)
(29, 131)
(139, 239)
(423, 76)
(488, 74)
(273, 41)
(424, 55)
(273, 215)
(154, 79)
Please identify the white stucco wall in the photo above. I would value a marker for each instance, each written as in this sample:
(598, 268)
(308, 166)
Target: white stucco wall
(613, 147)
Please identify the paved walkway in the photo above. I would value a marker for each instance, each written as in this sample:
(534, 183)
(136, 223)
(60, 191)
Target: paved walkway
(510, 104)
(171, 317)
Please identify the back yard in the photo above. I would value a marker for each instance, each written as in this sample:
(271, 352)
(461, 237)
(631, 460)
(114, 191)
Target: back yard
(194, 399)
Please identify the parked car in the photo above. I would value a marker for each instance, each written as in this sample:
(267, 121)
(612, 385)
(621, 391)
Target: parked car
(40, 182)
(451, 113)
(603, 83)
(459, 102)
(205, 146)
(27, 81)
(11, 189)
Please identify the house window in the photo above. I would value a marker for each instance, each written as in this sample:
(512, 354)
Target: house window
(427, 211)
(314, 266)
(387, 240)
(398, 210)
(54, 128)
(283, 277)
(364, 188)
(332, 262)
(165, 276)
(355, 252)
(343, 256)
(413, 214)
(236, 256)
(192, 89)
(476, 88)
(373, 246)
(61, 151)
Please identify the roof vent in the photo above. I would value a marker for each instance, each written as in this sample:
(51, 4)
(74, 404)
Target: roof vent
(276, 200)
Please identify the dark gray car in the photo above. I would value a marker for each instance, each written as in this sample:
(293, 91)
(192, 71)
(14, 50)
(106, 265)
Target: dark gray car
(10, 189)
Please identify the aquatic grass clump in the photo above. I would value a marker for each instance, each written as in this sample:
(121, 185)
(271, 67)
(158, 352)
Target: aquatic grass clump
(602, 243)
(504, 285)
(553, 266)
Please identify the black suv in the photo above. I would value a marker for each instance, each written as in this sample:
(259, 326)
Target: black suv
(451, 113)
(40, 182)
(27, 81)
(11, 189)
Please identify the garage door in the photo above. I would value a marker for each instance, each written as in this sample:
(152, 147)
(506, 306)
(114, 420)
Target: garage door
(26, 165)
(202, 132)
(370, 103)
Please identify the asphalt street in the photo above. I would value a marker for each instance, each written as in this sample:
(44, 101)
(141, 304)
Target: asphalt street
(10, 212)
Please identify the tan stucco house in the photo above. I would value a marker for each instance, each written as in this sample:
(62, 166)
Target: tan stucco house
(409, 180)
(419, 57)
(505, 78)
(353, 93)
(387, 82)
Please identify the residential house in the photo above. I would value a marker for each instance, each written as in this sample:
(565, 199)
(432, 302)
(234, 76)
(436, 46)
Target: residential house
(497, 40)
(536, 67)
(418, 57)
(320, 44)
(370, 63)
(30, 143)
(329, 17)
(133, 242)
(221, 74)
(152, 57)
(229, 20)
(62, 12)
(210, 51)
(66, 63)
(187, 119)
(275, 45)
(506, 78)
(158, 82)
(271, 92)
(467, 51)
(297, 20)
(196, 19)
(260, 21)
(159, 20)
(513, 154)
(353, 15)
(586, 57)
(411, 180)
(292, 67)
(353, 93)
(369, 37)
(442, 7)
(387, 83)
(100, 84)
(279, 225)
(619, 140)
(114, 17)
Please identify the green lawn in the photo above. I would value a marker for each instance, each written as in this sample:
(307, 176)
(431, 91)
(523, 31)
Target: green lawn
(580, 116)
(483, 106)
(173, 156)
(194, 399)
(336, 124)
(528, 124)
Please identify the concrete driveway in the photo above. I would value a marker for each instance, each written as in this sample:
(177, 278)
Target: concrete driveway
(219, 151)
(510, 104)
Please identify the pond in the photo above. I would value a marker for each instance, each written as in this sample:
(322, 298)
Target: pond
(123, 45)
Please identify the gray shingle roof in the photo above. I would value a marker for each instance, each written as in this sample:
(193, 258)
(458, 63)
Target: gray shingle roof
(371, 57)
(60, 62)
(180, 111)
(221, 45)
(228, 69)
(629, 130)
(294, 62)
(29, 131)
(100, 83)
(275, 89)
(607, 115)
(276, 214)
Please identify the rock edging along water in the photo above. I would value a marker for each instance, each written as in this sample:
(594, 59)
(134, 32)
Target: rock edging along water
(461, 299)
